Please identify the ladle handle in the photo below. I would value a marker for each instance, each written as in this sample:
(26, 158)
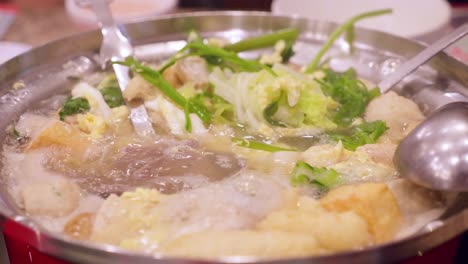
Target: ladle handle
(411, 65)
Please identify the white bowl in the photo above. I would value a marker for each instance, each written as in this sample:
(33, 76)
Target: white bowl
(9, 50)
(411, 19)
(122, 10)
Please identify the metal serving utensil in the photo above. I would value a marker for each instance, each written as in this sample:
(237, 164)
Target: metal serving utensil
(116, 47)
(422, 57)
(435, 153)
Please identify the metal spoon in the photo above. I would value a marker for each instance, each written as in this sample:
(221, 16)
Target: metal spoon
(116, 47)
(411, 65)
(435, 153)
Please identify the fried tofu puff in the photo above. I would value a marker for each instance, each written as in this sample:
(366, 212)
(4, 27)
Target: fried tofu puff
(333, 231)
(269, 244)
(347, 218)
(60, 134)
(374, 202)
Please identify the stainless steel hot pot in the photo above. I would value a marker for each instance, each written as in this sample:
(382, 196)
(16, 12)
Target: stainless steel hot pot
(46, 70)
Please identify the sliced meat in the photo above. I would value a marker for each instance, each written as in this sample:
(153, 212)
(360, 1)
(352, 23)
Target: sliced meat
(192, 69)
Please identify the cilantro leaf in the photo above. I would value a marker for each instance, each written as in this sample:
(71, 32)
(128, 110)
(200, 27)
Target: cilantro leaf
(365, 133)
(113, 96)
(350, 92)
(74, 106)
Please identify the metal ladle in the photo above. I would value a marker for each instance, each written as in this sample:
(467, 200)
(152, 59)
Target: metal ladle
(435, 153)
(116, 47)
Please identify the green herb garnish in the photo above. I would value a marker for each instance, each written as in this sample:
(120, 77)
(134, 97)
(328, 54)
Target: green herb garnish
(216, 56)
(157, 80)
(222, 57)
(220, 109)
(258, 145)
(113, 96)
(365, 133)
(74, 106)
(350, 92)
(110, 80)
(287, 52)
(271, 110)
(347, 27)
(289, 35)
(323, 178)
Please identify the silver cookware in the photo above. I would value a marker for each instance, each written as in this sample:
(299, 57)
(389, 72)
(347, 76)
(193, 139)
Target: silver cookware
(46, 70)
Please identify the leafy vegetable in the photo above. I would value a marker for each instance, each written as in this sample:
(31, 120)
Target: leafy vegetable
(74, 106)
(258, 103)
(113, 96)
(220, 109)
(345, 27)
(287, 52)
(289, 35)
(323, 178)
(258, 145)
(215, 56)
(270, 110)
(313, 110)
(350, 92)
(110, 80)
(220, 56)
(158, 81)
(365, 133)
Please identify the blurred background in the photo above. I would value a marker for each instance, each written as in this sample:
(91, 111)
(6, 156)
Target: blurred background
(29, 23)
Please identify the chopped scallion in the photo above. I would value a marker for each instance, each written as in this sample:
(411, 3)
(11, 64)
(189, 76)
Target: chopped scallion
(263, 41)
(345, 27)
(259, 145)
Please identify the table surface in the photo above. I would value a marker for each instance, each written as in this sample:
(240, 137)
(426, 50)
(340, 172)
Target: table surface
(39, 26)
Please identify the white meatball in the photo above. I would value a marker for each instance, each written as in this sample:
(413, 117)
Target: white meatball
(57, 198)
(400, 114)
